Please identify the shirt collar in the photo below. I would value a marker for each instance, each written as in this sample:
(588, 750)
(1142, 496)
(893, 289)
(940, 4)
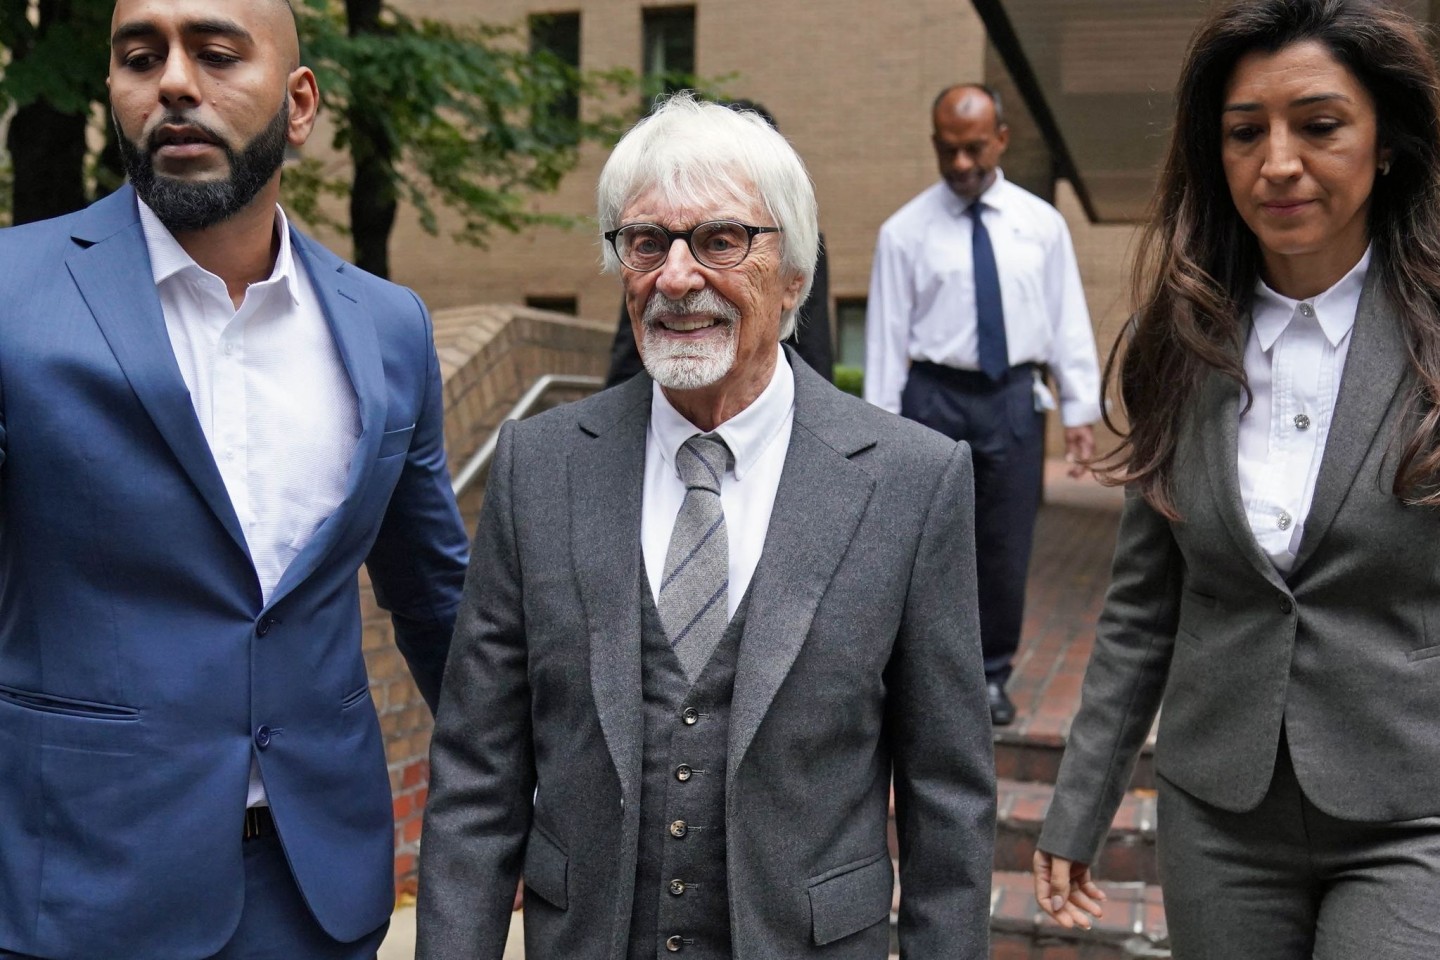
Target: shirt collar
(168, 258)
(1334, 309)
(748, 434)
(994, 196)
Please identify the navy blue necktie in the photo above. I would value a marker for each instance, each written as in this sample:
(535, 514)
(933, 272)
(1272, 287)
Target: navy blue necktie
(989, 313)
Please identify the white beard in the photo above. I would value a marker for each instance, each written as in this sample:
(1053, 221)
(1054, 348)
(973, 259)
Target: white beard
(690, 364)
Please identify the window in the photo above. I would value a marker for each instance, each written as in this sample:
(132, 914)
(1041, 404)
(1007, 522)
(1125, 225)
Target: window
(567, 305)
(850, 327)
(558, 36)
(668, 57)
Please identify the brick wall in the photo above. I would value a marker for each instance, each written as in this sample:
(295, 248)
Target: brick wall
(488, 356)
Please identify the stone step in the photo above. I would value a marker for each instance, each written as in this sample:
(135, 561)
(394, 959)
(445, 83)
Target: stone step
(1028, 752)
(1133, 927)
(1128, 854)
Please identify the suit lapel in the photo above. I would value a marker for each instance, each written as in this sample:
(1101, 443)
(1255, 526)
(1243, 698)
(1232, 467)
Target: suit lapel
(1219, 414)
(606, 478)
(1374, 370)
(819, 503)
(353, 330)
(112, 270)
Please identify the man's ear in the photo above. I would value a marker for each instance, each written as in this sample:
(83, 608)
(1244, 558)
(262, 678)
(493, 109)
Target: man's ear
(791, 297)
(304, 94)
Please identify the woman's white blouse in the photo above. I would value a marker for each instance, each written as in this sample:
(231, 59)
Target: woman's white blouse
(1293, 359)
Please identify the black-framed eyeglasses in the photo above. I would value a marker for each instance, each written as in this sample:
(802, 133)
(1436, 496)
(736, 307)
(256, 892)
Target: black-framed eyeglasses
(719, 244)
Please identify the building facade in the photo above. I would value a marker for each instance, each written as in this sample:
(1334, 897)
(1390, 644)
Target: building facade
(850, 84)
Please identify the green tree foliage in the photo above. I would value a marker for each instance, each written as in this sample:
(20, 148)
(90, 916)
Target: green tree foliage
(4, 190)
(440, 115)
(437, 115)
(60, 55)
(54, 55)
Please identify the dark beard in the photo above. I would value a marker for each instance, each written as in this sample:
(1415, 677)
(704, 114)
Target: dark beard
(184, 206)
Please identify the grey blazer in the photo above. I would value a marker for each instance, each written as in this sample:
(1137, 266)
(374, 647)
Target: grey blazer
(1344, 651)
(860, 659)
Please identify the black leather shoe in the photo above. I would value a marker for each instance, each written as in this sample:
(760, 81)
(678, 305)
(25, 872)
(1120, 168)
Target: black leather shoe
(1002, 711)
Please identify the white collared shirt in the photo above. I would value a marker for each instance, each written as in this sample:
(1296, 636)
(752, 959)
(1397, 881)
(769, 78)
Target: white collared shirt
(1293, 359)
(758, 437)
(271, 394)
(922, 295)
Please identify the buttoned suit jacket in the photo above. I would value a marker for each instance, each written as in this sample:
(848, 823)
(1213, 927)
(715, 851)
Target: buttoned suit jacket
(1344, 651)
(860, 658)
(137, 660)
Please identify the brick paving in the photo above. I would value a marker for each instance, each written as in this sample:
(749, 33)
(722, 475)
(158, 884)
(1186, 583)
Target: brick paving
(1069, 573)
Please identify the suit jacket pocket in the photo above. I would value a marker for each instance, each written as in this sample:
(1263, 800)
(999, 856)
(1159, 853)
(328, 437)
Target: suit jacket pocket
(395, 441)
(546, 869)
(1424, 653)
(66, 706)
(851, 898)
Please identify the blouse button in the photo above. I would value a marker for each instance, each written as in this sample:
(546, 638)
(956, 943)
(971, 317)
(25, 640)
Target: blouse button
(1283, 521)
(1307, 310)
(1302, 422)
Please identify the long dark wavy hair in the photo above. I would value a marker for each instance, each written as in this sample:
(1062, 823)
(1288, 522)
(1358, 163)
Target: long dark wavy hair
(1197, 264)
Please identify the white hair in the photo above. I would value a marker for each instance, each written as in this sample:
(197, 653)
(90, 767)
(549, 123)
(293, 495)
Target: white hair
(693, 151)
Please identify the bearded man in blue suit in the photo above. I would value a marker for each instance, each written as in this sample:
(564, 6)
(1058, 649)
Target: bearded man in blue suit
(207, 424)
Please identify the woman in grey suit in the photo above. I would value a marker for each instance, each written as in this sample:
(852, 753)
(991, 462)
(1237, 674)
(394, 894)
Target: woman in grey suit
(1277, 576)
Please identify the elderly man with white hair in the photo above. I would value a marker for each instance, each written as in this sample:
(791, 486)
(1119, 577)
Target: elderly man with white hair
(711, 615)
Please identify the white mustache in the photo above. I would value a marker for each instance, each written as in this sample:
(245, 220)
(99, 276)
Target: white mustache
(704, 302)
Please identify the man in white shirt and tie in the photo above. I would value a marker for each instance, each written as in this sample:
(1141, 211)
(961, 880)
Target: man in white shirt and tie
(974, 296)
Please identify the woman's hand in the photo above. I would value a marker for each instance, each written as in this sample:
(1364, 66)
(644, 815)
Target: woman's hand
(1065, 891)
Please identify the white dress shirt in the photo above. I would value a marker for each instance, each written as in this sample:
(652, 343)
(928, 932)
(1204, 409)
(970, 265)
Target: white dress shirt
(922, 296)
(1293, 360)
(758, 437)
(271, 394)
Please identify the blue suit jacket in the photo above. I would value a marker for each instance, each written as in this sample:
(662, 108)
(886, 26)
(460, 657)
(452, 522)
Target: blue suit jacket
(137, 662)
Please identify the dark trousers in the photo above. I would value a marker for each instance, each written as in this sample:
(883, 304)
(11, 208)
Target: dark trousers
(275, 924)
(1286, 881)
(1007, 440)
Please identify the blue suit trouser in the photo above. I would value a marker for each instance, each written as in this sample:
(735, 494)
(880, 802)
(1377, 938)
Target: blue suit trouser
(1007, 440)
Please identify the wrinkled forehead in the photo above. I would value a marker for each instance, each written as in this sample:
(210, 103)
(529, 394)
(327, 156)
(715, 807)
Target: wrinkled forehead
(682, 200)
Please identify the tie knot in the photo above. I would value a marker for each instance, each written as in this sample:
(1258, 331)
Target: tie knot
(973, 210)
(702, 461)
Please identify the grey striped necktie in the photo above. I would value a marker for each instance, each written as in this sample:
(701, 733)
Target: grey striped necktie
(694, 592)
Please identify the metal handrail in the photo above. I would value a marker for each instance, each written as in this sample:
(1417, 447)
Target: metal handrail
(542, 385)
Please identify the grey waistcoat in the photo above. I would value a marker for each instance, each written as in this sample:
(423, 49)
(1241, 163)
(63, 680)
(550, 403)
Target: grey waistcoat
(680, 889)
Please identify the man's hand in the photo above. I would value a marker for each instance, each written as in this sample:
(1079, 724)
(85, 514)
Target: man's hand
(1079, 448)
(1065, 891)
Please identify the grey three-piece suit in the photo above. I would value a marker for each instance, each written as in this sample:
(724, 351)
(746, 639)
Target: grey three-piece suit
(856, 655)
